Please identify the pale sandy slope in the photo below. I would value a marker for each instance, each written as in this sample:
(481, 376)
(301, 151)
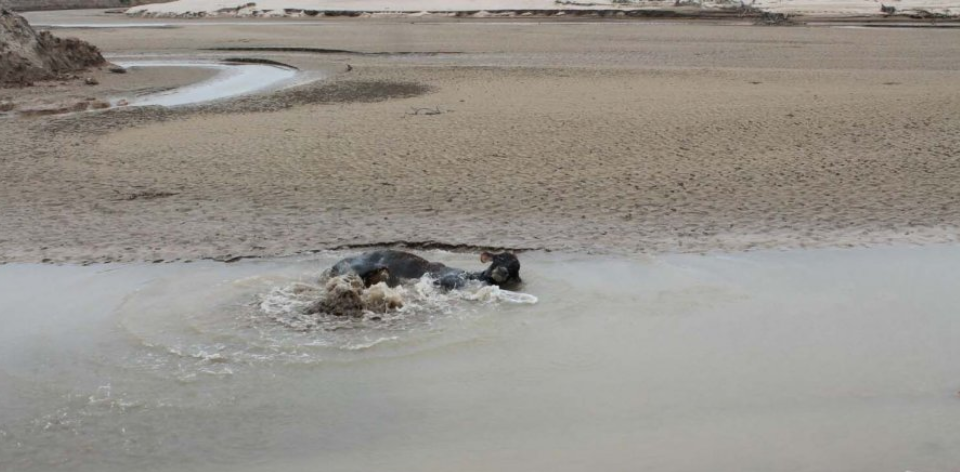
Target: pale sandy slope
(820, 7)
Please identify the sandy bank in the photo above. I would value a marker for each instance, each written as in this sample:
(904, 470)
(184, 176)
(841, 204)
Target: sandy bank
(558, 137)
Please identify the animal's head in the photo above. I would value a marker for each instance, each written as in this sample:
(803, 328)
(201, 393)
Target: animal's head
(504, 270)
(380, 274)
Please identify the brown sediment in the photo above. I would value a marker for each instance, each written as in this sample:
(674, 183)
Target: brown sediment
(58, 109)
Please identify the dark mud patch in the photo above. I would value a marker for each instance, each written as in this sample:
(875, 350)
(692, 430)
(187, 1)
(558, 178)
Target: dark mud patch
(775, 19)
(430, 245)
(147, 195)
(351, 91)
(333, 51)
(317, 93)
(150, 90)
(257, 60)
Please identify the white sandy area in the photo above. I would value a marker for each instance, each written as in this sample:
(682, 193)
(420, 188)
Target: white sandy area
(277, 7)
(856, 7)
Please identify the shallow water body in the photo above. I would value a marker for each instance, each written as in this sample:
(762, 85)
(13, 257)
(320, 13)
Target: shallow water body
(232, 80)
(776, 361)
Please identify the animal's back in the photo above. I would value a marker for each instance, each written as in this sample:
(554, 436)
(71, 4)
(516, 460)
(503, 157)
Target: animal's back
(401, 265)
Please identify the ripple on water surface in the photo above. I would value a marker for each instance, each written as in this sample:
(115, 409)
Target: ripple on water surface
(220, 326)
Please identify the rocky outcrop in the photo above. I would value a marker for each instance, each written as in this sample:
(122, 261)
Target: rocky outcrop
(27, 56)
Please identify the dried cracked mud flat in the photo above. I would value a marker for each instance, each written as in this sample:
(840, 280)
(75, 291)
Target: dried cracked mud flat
(609, 138)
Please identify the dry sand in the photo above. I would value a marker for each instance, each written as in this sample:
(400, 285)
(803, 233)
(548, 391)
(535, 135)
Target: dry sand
(616, 137)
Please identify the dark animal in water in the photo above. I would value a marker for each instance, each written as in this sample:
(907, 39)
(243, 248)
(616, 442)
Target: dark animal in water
(393, 267)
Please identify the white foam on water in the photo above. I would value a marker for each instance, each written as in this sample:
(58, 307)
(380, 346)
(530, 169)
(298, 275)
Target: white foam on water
(410, 307)
(492, 293)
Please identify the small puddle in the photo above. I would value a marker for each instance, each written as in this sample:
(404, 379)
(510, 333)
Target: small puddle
(177, 24)
(231, 80)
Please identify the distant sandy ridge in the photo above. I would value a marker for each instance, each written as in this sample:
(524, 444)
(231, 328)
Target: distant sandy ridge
(482, 7)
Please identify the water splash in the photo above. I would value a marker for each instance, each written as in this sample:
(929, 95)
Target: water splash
(343, 302)
(220, 330)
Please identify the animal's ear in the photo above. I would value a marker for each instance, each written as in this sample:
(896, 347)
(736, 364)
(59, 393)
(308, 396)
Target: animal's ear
(485, 257)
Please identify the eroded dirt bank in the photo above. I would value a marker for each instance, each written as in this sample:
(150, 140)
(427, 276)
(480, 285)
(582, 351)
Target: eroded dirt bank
(27, 56)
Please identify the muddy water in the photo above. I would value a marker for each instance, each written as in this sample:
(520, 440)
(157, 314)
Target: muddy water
(840, 360)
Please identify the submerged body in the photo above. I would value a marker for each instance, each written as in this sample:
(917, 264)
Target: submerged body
(393, 267)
